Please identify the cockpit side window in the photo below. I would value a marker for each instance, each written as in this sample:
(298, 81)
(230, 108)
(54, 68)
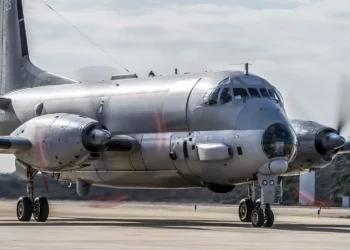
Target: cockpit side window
(226, 96)
(264, 93)
(276, 96)
(225, 81)
(254, 93)
(213, 97)
(273, 94)
(240, 93)
(279, 95)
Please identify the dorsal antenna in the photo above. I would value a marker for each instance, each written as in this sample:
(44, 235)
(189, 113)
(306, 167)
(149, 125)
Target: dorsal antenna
(246, 66)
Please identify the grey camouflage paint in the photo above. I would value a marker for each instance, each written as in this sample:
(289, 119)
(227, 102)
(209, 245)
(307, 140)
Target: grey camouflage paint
(162, 114)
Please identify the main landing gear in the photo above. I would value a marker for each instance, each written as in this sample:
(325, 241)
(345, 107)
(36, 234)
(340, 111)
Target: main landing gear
(259, 213)
(27, 206)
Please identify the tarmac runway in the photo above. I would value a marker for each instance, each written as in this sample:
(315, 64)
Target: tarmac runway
(86, 225)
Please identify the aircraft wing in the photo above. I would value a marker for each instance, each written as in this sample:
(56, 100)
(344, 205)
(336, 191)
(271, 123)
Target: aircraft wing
(14, 145)
(4, 102)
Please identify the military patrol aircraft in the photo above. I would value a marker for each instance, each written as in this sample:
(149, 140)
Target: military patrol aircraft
(213, 130)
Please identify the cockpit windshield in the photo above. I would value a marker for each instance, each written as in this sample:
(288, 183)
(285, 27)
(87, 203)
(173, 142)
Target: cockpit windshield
(240, 94)
(264, 93)
(254, 93)
(229, 90)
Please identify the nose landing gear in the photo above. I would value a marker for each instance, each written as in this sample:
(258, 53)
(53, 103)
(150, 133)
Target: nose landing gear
(27, 206)
(259, 213)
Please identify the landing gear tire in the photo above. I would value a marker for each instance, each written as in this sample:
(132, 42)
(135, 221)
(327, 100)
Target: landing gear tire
(245, 210)
(257, 217)
(27, 206)
(269, 218)
(41, 209)
(24, 209)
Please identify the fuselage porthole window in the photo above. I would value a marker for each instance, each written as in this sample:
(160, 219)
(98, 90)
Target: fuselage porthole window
(100, 109)
(240, 94)
(264, 93)
(225, 96)
(254, 93)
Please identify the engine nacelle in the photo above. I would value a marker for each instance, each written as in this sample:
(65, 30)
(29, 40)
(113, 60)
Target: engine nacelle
(317, 146)
(61, 141)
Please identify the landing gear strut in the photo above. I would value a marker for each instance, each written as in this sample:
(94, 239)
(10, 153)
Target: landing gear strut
(27, 206)
(259, 213)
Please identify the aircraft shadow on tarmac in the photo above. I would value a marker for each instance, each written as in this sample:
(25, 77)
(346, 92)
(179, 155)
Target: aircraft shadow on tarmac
(176, 224)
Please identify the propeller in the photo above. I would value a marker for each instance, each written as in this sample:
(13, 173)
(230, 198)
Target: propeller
(343, 103)
(344, 111)
(331, 140)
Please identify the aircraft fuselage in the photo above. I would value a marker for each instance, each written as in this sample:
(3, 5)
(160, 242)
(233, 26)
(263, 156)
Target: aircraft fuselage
(164, 114)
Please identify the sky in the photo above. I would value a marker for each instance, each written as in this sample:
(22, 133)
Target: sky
(300, 46)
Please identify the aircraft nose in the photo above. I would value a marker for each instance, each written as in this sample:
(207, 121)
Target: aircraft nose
(258, 114)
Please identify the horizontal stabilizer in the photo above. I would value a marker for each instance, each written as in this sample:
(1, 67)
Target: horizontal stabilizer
(14, 145)
(4, 102)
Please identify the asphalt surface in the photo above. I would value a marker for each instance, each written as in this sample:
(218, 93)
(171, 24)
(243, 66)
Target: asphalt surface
(87, 225)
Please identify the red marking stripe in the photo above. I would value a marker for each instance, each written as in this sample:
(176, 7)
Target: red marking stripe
(162, 130)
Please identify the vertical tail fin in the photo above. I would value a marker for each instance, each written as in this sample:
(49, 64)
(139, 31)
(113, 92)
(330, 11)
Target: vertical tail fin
(16, 70)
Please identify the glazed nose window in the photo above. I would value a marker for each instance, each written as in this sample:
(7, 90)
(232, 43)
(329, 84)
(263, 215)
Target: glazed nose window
(279, 140)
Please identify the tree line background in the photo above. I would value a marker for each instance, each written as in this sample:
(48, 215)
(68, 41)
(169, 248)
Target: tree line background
(332, 183)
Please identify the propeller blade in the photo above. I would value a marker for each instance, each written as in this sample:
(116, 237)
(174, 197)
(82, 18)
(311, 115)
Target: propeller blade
(343, 103)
